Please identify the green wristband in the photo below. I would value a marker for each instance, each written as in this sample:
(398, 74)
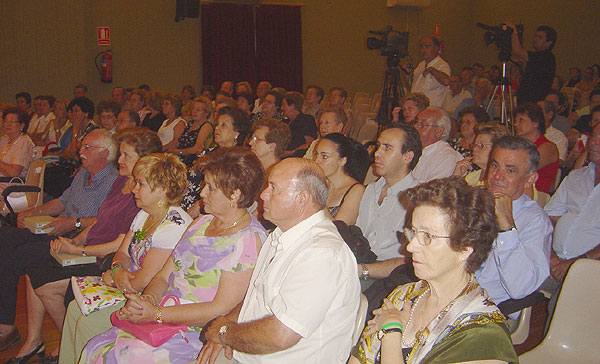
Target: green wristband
(113, 270)
(391, 324)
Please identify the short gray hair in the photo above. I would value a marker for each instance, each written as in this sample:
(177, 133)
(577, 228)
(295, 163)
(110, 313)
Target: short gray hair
(311, 179)
(443, 120)
(510, 142)
(107, 141)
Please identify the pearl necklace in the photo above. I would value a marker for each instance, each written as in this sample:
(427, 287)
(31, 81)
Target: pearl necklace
(412, 312)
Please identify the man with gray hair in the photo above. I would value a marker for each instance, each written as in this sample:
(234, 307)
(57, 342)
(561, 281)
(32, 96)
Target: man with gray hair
(304, 292)
(75, 210)
(438, 158)
(520, 258)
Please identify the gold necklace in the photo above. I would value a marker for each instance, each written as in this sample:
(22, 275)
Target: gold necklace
(221, 230)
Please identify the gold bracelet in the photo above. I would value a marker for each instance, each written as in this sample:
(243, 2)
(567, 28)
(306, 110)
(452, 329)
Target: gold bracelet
(151, 298)
(159, 315)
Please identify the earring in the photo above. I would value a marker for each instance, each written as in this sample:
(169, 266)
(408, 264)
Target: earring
(161, 203)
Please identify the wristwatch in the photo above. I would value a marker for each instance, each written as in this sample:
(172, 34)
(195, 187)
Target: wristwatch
(222, 332)
(78, 223)
(365, 272)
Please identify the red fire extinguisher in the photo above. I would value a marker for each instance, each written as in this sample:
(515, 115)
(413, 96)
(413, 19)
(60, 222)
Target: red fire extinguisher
(105, 67)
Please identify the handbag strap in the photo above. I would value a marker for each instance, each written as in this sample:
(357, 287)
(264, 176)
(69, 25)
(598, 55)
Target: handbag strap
(17, 178)
(170, 297)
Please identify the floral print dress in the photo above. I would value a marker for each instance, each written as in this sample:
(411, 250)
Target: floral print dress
(199, 262)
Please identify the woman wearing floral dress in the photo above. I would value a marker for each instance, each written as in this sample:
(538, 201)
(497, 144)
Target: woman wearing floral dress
(209, 271)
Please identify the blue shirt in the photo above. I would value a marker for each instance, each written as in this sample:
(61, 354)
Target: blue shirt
(83, 200)
(577, 202)
(520, 259)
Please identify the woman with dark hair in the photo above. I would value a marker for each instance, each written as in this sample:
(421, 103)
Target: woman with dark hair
(530, 124)
(231, 130)
(58, 175)
(154, 119)
(188, 94)
(345, 163)
(270, 108)
(16, 148)
(412, 104)
(446, 317)
(468, 118)
(173, 126)
(209, 270)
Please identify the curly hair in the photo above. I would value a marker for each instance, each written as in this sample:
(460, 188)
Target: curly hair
(163, 170)
(470, 212)
(237, 168)
(418, 98)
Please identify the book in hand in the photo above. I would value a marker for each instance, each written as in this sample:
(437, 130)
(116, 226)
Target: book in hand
(66, 259)
(35, 223)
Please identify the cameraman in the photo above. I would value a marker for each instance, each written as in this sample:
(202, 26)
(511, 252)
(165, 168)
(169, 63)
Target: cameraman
(540, 65)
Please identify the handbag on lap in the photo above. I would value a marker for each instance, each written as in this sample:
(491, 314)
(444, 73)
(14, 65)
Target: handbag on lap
(152, 333)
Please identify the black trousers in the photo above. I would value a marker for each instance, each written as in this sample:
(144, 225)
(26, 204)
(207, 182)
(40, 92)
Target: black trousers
(19, 248)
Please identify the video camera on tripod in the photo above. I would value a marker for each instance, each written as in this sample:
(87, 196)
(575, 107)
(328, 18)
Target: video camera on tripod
(501, 36)
(393, 45)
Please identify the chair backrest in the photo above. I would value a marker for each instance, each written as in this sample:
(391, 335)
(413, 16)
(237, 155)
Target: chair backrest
(573, 336)
(35, 177)
(359, 121)
(368, 131)
(361, 100)
(360, 108)
(361, 316)
(361, 94)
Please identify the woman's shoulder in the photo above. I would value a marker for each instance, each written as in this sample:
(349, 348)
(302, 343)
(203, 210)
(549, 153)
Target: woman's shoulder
(177, 216)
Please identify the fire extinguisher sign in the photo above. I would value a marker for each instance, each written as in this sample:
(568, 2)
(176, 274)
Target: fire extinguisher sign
(103, 36)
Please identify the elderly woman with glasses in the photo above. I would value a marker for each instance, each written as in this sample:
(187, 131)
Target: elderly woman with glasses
(446, 317)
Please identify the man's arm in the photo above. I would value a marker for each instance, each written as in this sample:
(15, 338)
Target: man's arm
(519, 54)
(440, 76)
(51, 208)
(265, 336)
(380, 270)
(522, 255)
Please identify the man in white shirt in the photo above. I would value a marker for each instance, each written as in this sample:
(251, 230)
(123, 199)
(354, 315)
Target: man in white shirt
(303, 296)
(438, 158)
(575, 210)
(262, 89)
(456, 97)
(380, 215)
(432, 75)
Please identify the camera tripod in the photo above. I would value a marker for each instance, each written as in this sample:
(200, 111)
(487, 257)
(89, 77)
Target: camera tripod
(391, 94)
(506, 100)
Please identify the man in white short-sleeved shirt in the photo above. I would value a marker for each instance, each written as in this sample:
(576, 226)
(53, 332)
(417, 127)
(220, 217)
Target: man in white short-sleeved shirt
(304, 292)
(432, 75)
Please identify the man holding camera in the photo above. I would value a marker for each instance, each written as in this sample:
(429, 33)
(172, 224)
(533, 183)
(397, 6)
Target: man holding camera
(540, 64)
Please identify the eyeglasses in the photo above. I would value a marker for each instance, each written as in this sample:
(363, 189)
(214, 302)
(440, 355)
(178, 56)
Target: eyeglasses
(257, 139)
(88, 146)
(423, 237)
(421, 124)
(481, 145)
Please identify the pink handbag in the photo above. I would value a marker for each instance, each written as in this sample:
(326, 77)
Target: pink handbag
(152, 333)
